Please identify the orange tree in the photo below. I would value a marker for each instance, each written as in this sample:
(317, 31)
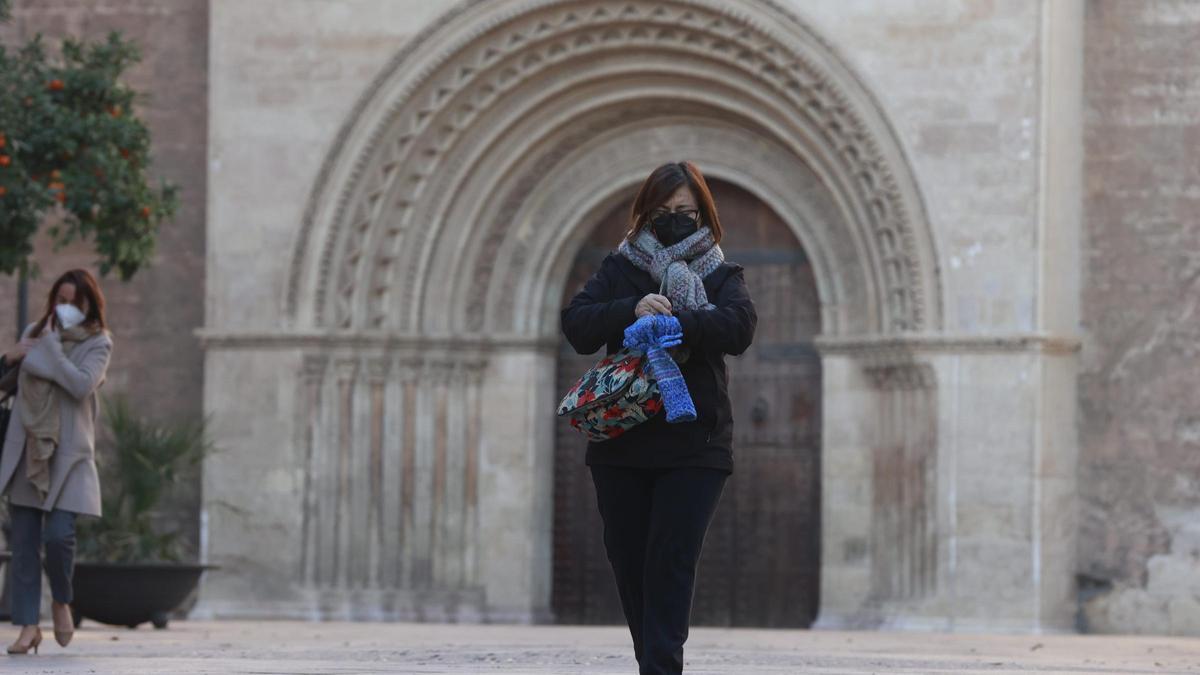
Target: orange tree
(74, 156)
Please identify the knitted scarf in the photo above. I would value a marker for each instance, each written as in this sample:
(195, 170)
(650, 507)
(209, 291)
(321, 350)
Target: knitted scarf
(655, 334)
(683, 266)
(40, 401)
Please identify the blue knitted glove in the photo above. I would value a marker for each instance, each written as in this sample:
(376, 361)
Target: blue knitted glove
(655, 334)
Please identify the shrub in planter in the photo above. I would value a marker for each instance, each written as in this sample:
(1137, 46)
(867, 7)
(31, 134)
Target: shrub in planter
(131, 568)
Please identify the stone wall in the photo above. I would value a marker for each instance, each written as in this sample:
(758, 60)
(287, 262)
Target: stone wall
(966, 85)
(1139, 543)
(959, 80)
(955, 93)
(157, 360)
(985, 96)
(285, 76)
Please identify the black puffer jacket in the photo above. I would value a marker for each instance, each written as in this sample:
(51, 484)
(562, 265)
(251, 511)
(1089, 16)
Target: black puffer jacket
(597, 317)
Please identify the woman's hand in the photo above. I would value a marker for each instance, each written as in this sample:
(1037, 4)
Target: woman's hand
(17, 353)
(652, 304)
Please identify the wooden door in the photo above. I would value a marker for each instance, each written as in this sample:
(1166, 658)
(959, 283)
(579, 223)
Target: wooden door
(762, 556)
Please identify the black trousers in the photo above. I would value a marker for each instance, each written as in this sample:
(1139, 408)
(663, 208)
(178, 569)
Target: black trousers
(654, 526)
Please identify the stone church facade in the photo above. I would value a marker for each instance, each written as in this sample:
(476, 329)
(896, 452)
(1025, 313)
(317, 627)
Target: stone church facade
(991, 206)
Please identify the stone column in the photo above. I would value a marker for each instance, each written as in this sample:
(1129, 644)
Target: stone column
(366, 499)
(516, 483)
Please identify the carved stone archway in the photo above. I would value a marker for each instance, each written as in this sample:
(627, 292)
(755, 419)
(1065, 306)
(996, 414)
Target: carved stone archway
(423, 288)
(513, 74)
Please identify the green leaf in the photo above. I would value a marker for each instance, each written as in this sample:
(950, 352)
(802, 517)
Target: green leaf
(146, 461)
(71, 112)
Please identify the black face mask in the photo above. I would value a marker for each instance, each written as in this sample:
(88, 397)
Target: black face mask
(672, 228)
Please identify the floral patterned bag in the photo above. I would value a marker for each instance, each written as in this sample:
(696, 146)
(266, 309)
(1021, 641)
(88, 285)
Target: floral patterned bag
(616, 395)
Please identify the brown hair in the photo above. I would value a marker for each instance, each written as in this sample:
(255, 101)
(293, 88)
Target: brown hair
(658, 188)
(86, 288)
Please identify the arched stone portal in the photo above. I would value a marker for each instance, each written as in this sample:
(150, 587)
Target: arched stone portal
(426, 279)
(465, 123)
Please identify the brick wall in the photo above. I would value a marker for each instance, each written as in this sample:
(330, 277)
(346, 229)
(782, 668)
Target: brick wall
(1140, 384)
(157, 360)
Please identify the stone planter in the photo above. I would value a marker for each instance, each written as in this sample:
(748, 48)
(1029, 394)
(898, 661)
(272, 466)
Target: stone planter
(130, 594)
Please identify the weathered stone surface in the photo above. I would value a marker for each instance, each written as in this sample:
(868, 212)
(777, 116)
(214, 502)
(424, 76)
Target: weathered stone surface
(1140, 453)
(959, 80)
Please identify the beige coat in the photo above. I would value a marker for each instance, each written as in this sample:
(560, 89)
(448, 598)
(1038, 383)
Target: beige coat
(74, 482)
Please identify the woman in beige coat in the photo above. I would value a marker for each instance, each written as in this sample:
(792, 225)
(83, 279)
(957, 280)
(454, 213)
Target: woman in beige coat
(48, 467)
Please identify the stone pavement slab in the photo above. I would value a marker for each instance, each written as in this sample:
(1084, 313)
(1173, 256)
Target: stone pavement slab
(293, 648)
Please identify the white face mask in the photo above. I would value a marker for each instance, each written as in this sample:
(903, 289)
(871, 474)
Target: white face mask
(69, 315)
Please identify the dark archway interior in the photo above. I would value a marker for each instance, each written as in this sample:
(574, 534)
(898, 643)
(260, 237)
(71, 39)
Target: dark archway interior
(762, 557)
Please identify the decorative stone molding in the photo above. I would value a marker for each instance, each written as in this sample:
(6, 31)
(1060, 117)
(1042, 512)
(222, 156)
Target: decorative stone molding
(903, 546)
(907, 345)
(454, 82)
(515, 285)
(419, 533)
(568, 195)
(901, 376)
(369, 340)
(314, 366)
(378, 368)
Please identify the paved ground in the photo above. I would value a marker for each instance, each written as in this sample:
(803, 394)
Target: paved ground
(284, 647)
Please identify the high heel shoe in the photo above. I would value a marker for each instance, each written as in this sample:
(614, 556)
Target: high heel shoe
(62, 619)
(18, 648)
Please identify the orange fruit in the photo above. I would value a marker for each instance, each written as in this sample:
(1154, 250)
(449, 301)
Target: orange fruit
(56, 85)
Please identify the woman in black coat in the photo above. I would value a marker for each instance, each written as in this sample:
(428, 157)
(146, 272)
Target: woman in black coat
(658, 484)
